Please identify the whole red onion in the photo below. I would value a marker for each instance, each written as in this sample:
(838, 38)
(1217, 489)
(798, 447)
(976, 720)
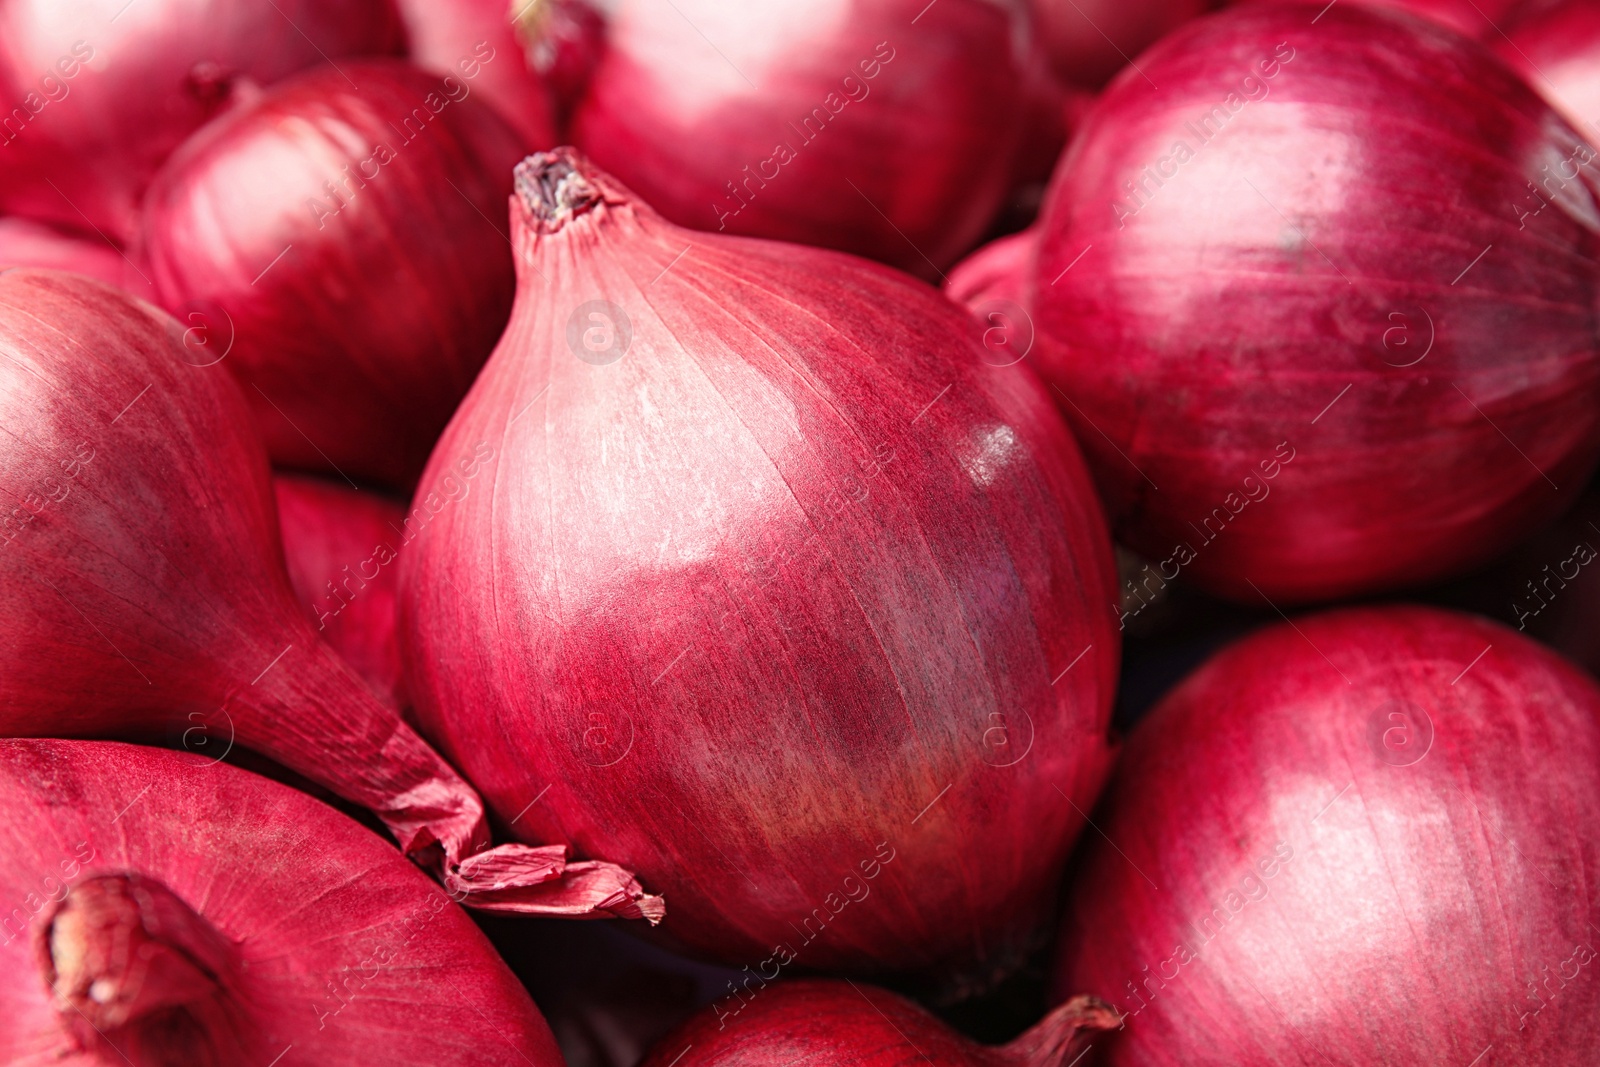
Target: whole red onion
(24, 243)
(144, 596)
(780, 592)
(886, 129)
(842, 1022)
(167, 913)
(478, 40)
(1294, 375)
(338, 239)
(1090, 40)
(1366, 837)
(1557, 50)
(95, 94)
(341, 545)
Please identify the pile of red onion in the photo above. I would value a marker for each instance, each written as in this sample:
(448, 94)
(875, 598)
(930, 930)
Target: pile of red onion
(828, 490)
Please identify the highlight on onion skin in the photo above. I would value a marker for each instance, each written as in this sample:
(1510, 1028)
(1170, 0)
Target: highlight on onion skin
(144, 593)
(1378, 824)
(856, 126)
(107, 89)
(170, 913)
(1556, 50)
(1090, 40)
(779, 591)
(823, 1021)
(341, 545)
(478, 40)
(1293, 375)
(336, 238)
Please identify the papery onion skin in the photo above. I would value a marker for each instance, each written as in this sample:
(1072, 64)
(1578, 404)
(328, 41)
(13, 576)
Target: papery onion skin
(144, 593)
(1294, 375)
(1090, 40)
(1377, 824)
(842, 1022)
(477, 40)
(1558, 51)
(742, 603)
(341, 545)
(338, 233)
(268, 920)
(907, 163)
(108, 89)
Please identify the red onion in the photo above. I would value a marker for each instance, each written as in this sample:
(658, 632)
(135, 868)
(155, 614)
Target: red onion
(563, 41)
(993, 284)
(1487, 20)
(780, 592)
(1090, 40)
(1296, 375)
(96, 93)
(842, 1022)
(885, 129)
(161, 911)
(1362, 838)
(342, 240)
(24, 243)
(477, 40)
(1557, 52)
(144, 594)
(1000, 270)
(341, 545)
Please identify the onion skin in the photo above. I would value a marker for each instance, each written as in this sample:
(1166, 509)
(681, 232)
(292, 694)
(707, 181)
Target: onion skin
(1090, 40)
(1391, 881)
(24, 243)
(926, 140)
(192, 915)
(125, 87)
(993, 284)
(1301, 427)
(720, 608)
(477, 40)
(564, 40)
(842, 1022)
(1000, 270)
(1557, 52)
(1480, 19)
(356, 345)
(341, 545)
(142, 583)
